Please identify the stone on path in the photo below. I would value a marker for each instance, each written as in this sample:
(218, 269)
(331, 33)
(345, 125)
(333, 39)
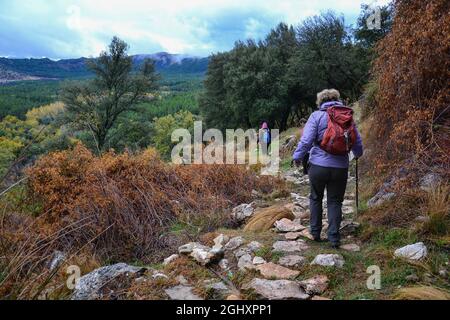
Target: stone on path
(277, 289)
(292, 235)
(315, 285)
(416, 251)
(216, 289)
(245, 262)
(258, 260)
(286, 225)
(273, 271)
(234, 243)
(351, 247)
(290, 246)
(292, 261)
(182, 292)
(307, 234)
(233, 297)
(328, 260)
(205, 257)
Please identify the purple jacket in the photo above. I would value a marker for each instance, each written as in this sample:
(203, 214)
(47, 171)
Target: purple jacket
(313, 134)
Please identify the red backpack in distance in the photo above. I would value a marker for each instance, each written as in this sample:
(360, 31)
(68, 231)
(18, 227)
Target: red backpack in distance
(340, 135)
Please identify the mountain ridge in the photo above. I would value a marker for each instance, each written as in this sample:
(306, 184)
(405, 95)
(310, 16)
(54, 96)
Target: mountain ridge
(45, 68)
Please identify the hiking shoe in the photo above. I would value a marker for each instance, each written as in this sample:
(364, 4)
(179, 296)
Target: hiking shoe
(335, 245)
(318, 239)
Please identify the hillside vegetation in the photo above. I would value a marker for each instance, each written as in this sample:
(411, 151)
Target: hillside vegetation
(86, 182)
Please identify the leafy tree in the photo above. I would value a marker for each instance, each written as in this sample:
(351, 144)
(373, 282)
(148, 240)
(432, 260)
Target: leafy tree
(327, 58)
(164, 126)
(368, 38)
(97, 104)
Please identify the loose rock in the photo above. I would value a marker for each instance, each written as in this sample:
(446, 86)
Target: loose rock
(245, 262)
(277, 289)
(220, 241)
(89, 286)
(182, 292)
(329, 260)
(273, 271)
(315, 285)
(290, 246)
(292, 261)
(170, 259)
(258, 260)
(234, 243)
(292, 235)
(286, 225)
(416, 251)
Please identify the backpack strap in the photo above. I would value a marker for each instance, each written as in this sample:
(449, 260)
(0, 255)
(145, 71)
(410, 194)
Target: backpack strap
(318, 142)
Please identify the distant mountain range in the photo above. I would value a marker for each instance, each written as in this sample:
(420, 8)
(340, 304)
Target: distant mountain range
(35, 69)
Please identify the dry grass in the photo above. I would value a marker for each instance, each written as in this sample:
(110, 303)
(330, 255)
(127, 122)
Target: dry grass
(129, 203)
(264, 219)
(436, 207)
(421, 293)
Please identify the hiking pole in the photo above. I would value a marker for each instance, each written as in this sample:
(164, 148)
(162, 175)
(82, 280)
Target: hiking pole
(357, 187)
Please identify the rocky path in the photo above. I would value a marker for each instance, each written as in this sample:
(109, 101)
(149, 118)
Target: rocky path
(268, 263)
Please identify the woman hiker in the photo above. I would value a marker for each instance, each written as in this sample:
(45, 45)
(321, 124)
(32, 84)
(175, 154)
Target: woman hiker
(329, 135)
(264, 138)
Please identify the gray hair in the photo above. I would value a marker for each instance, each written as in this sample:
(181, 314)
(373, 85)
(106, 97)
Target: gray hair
(327, 95)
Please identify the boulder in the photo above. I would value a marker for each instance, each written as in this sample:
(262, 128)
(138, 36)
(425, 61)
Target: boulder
(328, 260)
(277, 289)
(234, 243)
(416, 251)
(273, 271)
(243, 211)
(315, 285)
(182, 292)
(286, 225)
(292, 261)
(290, 246)
(89, 286)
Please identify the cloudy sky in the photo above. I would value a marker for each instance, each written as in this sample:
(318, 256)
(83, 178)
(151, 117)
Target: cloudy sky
(74, 28)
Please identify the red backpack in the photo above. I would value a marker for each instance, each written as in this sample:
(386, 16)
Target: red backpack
(340, 135)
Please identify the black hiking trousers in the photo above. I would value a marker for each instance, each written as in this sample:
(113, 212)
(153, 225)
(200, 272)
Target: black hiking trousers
(335, 182)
